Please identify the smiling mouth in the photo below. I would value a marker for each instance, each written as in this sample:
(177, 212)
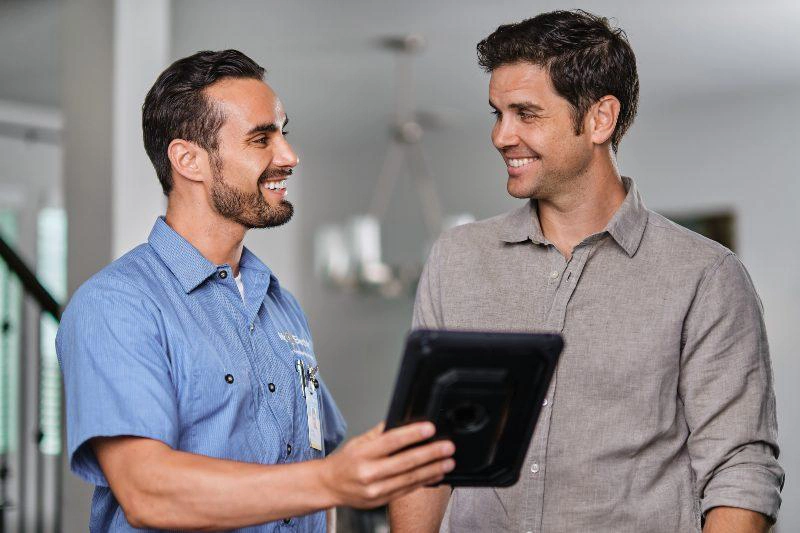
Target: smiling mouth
(520, 162)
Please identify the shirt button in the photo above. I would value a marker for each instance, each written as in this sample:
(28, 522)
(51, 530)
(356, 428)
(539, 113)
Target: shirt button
(223, 274)
(229, 378)
(271, 387)
(288, 449)
(545, 402)
(535, 468)
(554, 274)
(252, 327)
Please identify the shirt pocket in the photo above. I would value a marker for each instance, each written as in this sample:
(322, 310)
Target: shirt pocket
(222, 407)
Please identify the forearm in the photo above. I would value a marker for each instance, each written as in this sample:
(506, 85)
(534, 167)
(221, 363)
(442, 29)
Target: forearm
(419, 511)
(183, 491)
(735, 520)
(161, 488)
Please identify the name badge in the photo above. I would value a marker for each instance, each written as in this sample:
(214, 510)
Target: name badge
(309, 385)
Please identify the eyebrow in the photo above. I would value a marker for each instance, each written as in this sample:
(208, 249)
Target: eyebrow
(267, 127)
(521, 106)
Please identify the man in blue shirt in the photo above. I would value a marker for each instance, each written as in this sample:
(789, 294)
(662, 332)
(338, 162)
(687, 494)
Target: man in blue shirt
(193, 394)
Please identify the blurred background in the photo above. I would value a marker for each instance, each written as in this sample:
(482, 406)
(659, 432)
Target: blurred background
(714, 146)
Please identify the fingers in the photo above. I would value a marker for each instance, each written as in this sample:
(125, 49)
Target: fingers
(414, 458)
(397, 439)
(398, 485)
(376, 431)
(377, 466)
(430, 484)
(371, 434)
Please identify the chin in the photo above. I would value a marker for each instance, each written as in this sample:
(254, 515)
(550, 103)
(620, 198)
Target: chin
(277, 215)
(521, 190)
(281, 214)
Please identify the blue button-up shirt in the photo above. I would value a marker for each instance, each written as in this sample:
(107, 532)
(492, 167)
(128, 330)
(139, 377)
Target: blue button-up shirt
(160, 344)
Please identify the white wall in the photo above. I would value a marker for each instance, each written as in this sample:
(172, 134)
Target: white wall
(141, 52)
(30, 176)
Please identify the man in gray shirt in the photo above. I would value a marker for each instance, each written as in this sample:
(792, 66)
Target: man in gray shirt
(661, 416)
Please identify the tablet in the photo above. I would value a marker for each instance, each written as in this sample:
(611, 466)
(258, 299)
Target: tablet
(482, 390)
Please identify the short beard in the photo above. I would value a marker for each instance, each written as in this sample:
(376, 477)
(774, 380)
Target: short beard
(250, 210)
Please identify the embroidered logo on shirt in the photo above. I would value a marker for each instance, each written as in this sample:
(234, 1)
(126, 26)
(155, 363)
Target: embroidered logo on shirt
(298, 345)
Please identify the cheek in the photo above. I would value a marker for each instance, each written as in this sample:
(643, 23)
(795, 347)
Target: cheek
(541, 141)
(256, 168)
(250, 168)
(564, 139)
(573, 153)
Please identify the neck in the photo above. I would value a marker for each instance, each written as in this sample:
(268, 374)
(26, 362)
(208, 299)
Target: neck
(218, 239)
(583, 210)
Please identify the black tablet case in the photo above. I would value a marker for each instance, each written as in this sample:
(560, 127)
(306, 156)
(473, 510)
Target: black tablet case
(482, 390)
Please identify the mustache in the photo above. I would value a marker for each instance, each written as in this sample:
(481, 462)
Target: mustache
(272, 173)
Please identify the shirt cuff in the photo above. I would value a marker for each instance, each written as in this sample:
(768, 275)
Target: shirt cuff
(84, 464)
(753, 488)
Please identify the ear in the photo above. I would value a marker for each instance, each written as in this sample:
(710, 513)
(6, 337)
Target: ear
(603, 117)
(188, 160)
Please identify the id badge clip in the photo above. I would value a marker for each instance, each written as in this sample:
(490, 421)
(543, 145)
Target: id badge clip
(309, 386)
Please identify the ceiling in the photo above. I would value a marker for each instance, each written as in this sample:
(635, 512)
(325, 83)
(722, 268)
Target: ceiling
(682, 46)
(29, 64)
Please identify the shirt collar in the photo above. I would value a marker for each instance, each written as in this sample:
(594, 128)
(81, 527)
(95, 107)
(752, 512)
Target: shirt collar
(522, 224)
(186, 262)
(628, 223)
(626, 227)
(249, 261)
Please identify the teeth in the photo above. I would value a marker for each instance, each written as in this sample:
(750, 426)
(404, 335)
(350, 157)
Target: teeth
(276, 185)
(516, 163)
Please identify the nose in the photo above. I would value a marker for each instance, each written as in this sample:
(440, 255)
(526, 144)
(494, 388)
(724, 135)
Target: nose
(285, 155)
(504, 134)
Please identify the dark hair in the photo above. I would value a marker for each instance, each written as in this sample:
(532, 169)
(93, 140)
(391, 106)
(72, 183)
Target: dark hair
(585, 57)
(176, 107)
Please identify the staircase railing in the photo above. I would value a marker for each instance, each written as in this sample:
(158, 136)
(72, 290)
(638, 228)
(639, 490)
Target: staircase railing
(24, 492)
(30, 283)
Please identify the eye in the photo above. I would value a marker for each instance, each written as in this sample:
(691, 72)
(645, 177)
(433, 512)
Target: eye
(495, 112)
(527, 116)
(261, 140)
(284, 133)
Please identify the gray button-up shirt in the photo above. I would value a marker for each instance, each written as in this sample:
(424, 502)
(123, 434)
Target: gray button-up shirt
(662, 405)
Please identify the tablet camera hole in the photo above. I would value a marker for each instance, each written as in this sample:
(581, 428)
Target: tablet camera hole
(468, 417)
